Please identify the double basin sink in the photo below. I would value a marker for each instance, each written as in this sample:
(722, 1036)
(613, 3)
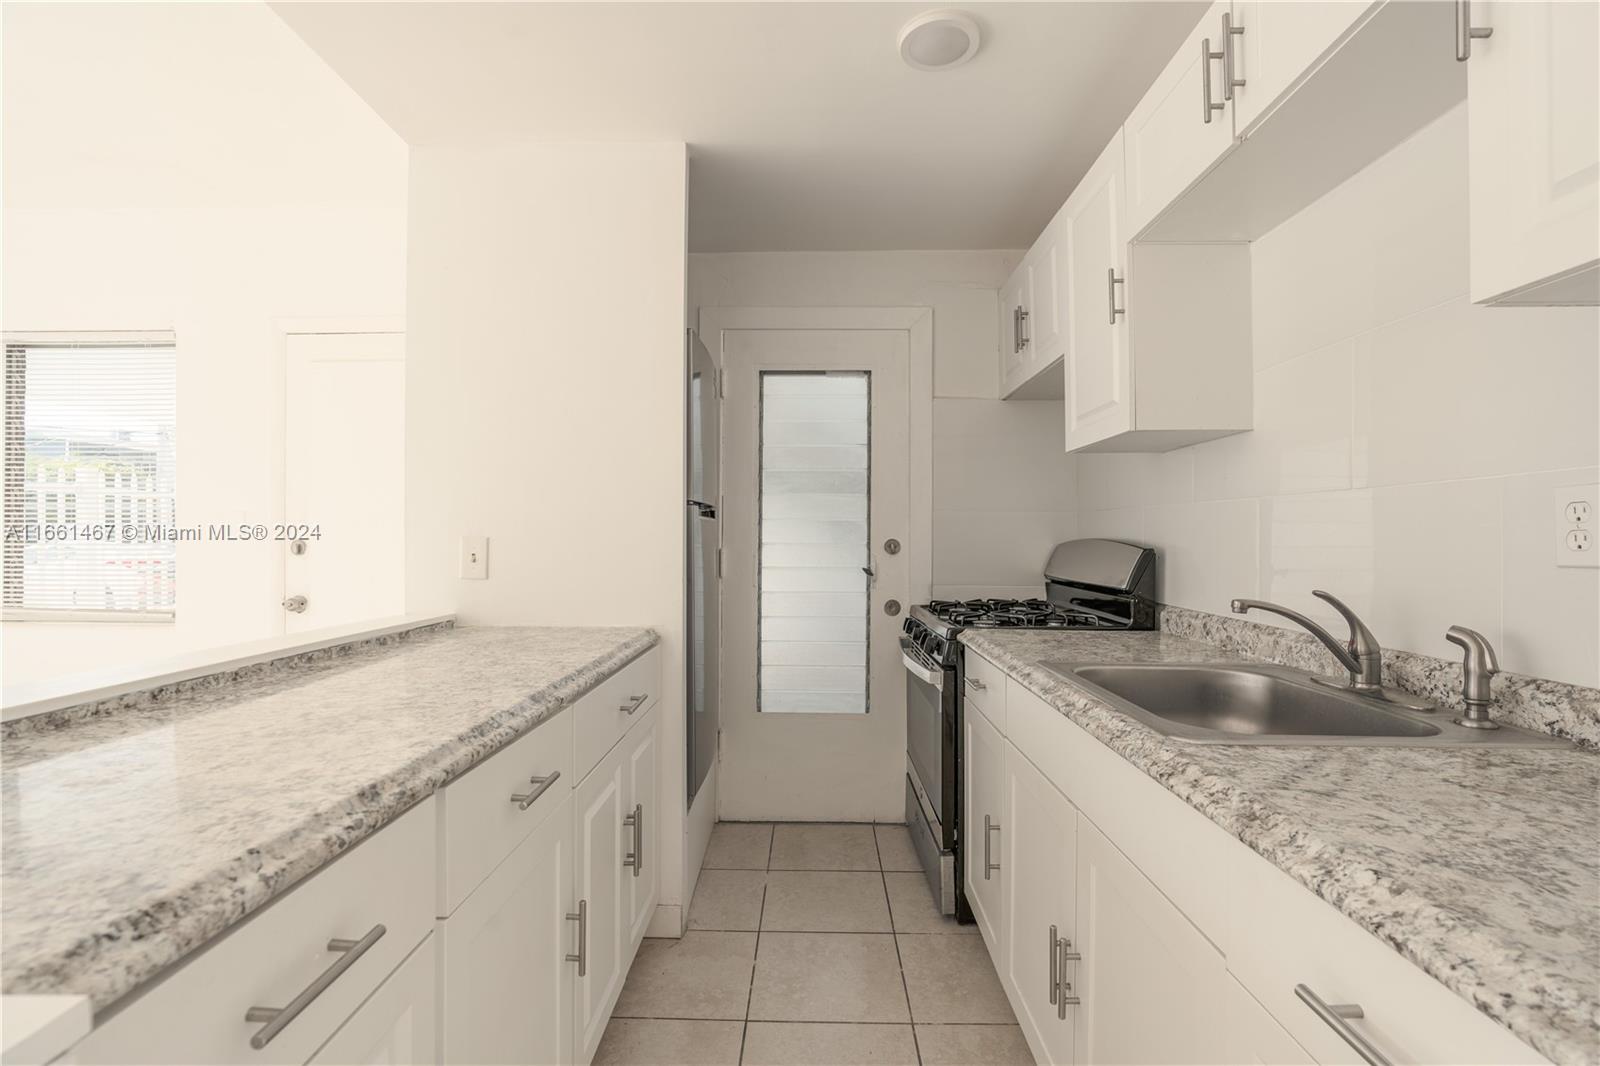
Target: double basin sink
(1251, 703)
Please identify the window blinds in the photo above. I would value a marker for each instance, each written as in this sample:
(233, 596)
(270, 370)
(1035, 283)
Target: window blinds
(90, 476)
(815, 465)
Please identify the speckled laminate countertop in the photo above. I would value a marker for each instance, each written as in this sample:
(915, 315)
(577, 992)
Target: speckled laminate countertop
(1480, 866)
(132, 838)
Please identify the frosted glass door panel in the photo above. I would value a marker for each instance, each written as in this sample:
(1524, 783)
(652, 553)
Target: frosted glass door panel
(815, 462)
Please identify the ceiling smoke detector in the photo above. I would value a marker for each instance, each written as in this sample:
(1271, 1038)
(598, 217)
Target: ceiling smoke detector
(939, 40)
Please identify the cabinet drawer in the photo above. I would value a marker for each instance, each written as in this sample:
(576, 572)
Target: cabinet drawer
(1286, 936)
(479, 822)
(985, 688)
(197, 1015)
(605, 714)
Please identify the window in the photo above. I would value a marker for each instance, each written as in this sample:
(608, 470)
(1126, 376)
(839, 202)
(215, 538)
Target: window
(815, 468)
(90, 476)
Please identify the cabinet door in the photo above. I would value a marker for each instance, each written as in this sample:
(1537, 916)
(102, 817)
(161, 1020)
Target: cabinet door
(1277, 43)
(1014, 300)
(601, 842)
(1173, 138)
(1151, 986)
(1099, 378)
(1046, 276)
(398, 1026)
(507, 984)
(1039, 858)
(1533, 148)
(641, 803)
(1254, 1036)
(983, 761)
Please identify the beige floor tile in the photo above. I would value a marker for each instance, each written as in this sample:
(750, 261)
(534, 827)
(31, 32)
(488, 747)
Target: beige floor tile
(703, 975)
(669, 1042)
(973, 1045)
(894, 848)
(824, 847)
(911, 903)
(828, 1044)
(738, 846)
(817, 901)
(950, 979)
(829, 977)
(728, 899)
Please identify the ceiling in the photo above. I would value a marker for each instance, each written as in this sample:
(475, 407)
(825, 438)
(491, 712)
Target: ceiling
(806, 130)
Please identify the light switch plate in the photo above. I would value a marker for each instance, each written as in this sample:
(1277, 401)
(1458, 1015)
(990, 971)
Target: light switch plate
(474, 558)
(1577, 527)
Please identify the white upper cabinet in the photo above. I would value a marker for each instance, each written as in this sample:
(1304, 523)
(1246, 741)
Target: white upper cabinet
(1533, 113)
(1183, 125)
(1271, 44)
(1032, 308)
(1099, 384)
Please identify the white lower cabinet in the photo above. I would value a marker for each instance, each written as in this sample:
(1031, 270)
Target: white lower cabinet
(1039, 970)
(492, 923)
(507, 987)
(985, 873)
(1150, 984)
(1178, 944)
(399, 1024)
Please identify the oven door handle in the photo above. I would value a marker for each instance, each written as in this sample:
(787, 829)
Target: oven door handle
(917, 666)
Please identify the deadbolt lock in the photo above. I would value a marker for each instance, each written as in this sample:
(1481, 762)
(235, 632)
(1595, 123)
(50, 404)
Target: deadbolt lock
(891, 607)
(297, 547)
(891, 546)
(295, 604)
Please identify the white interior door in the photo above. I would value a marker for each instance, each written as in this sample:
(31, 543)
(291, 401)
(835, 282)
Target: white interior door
(344, 477)
(815, 486)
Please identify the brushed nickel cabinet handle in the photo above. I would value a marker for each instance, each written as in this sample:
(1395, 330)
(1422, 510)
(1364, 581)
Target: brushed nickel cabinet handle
(989, 827)
(633, 704)
(1337, 1016)
(635, 858)
(1022, 322)
(1066, 956)
(278, 1018)
(1466, 32)
(582, 957)
(1206, 56)
(977, 686)
(1112, 281)
(1229, 32)
(524, 800)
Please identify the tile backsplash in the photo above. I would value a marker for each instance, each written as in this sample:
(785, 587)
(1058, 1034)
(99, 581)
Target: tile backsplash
(1406, 442)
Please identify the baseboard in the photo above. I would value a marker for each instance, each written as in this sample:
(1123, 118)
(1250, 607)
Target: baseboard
(667, 921)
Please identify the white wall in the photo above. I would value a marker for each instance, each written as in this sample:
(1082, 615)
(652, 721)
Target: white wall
(545, 362)
(194, 168)
(1405, 442)
(1002, 486)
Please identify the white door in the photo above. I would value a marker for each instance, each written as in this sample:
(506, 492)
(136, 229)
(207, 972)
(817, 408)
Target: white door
(1152, 988)
(398, 1025)
(984, 816)
(643, 831)
(1039, 859)
(815, 487)
(1533, 148)
(344, 477)
(1173, 137)
(507, 983)
(601, 844)
(1099, 385)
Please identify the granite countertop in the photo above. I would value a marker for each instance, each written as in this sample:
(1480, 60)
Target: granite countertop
(134, 837)
(1480, 866)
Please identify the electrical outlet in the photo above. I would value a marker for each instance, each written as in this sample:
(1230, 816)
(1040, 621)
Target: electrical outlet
(1576, 536)
(474, 558)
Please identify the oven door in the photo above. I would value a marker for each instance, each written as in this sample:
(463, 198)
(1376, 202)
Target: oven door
(929, 696)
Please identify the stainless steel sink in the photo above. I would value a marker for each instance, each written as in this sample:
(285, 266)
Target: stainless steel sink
(1252, 703)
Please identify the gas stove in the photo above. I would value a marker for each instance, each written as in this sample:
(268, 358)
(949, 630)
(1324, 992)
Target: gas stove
(1009, 614)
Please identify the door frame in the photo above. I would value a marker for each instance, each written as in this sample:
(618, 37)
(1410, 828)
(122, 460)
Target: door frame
(917, 322)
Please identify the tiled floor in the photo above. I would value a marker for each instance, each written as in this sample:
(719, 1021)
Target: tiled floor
(814, 945)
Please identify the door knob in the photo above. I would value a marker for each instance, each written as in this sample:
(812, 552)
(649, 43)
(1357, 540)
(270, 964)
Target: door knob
(295, 604)
(891, 607)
